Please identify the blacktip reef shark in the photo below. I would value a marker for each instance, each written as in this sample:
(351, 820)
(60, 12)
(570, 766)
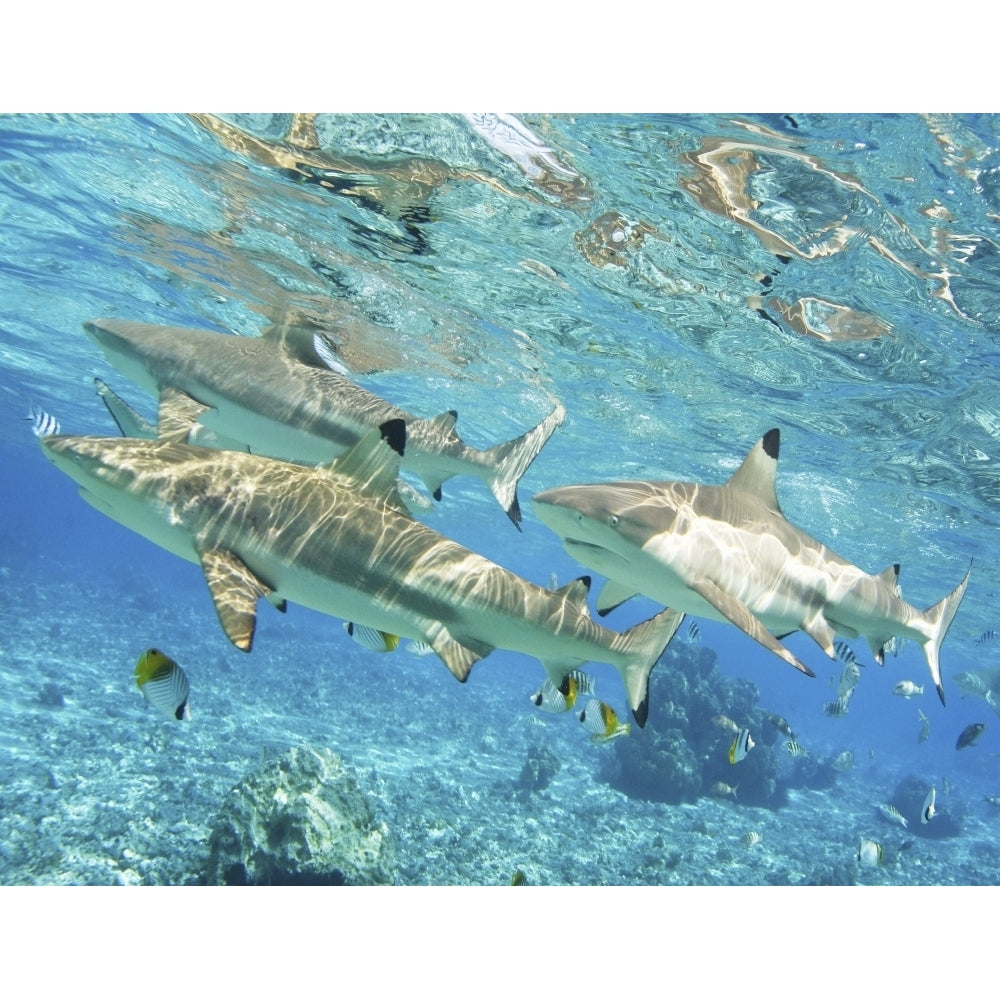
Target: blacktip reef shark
(338, 539)
(727, 553)
(281, 395)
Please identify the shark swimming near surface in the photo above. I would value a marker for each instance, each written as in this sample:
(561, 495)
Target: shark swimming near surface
(286, 396)
(728, 553)
(338, 539)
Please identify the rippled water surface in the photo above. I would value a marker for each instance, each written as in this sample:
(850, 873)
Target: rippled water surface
(681, 284)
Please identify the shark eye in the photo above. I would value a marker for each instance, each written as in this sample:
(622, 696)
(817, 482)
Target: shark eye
(613, 521)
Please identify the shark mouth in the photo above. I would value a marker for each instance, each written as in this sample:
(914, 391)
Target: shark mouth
(578, 545)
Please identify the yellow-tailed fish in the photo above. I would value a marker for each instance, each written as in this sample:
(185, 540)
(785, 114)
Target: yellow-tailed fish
(163, 684)
(927, 810)
(741, 746)
(519, 878)
(563, 698)
(601, 721)
(372, 638)
(870, 853)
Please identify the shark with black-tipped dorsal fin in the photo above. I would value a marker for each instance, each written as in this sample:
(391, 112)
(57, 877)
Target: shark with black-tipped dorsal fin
(728, 553)
(286, 396)
(339, 539)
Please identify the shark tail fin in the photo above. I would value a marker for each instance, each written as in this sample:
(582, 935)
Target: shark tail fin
(644, 644)
(940, 616)
(508, 462)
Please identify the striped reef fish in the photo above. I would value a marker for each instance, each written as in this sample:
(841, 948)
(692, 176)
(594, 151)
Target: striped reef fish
(988, 636)
(551, 698)
(741, 746)
(838, 707)
(849, 678)
(752, 838)
(721, 790)
(419, 648)
(844, 761)
(844, 652)
(781, 724)
(795, 749)
(727, 553)
(42, 424)
(891, 813)
(601, 721)
(693, 632)
(372, 638)
(163, 684)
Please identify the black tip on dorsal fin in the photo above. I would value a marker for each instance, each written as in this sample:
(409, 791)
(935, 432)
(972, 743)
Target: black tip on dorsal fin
(770, 442)
(394, 434)
(586, 581)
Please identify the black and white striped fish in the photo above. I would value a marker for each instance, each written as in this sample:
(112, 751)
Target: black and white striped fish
(844, 652)
(42, 424)
(838, 708)
(987, 637)
(163, 684)
(693, 632)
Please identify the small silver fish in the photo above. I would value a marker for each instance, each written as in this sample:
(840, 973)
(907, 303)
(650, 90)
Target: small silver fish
(890, 812)
(849, 678)
(844, 761)
(925, 729)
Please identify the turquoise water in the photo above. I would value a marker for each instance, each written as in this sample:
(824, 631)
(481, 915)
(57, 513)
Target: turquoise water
(680, 284)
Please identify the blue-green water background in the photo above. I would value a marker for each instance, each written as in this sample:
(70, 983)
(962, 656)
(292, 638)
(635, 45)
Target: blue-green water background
(484, 287)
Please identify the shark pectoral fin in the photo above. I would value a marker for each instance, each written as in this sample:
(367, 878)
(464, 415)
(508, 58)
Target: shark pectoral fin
(177, 415)
(458, 657)
(235, 590)
(129, 421)
(743, 618)
(819, 630)
(612, 595)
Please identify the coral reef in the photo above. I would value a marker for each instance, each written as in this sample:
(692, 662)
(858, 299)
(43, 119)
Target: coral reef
(683, 752)
(540, 767)
(299, 820)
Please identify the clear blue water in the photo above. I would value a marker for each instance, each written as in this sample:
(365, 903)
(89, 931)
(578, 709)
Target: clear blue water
(681, 284)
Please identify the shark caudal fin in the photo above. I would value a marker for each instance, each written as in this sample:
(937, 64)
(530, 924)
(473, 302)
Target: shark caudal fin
(644, 644)
(508, 462)
(939, 617)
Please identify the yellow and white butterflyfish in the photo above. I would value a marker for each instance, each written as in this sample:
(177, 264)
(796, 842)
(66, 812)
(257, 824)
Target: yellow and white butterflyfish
(601, 721)
(564, 697)
(163, 684)
(372, 638)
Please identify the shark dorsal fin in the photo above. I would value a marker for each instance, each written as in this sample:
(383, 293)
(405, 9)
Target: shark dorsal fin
(890, 577)
(444, 423)
(177, 415)
(373, 463)
(757, 473)
(576, 593)
(235, 590)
